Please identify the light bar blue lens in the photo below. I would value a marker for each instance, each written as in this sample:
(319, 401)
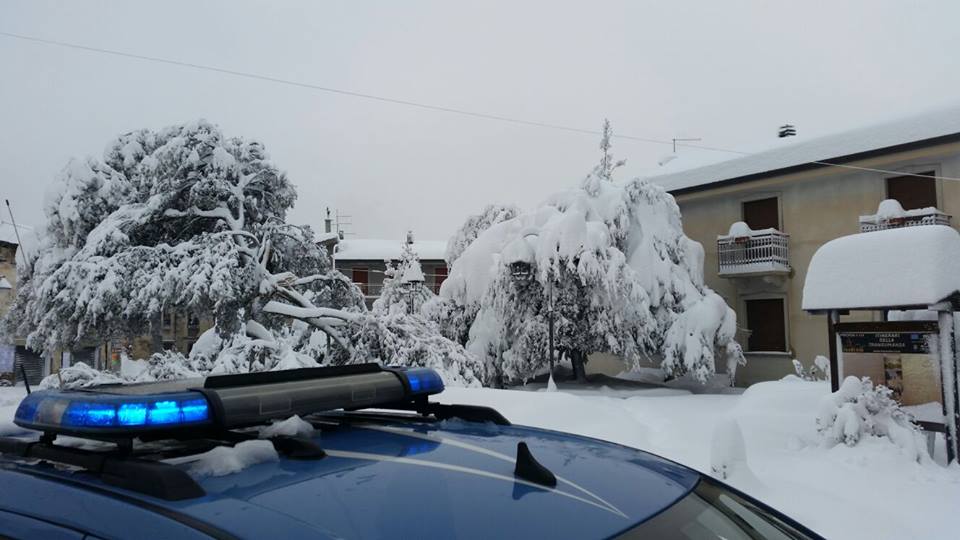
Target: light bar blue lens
(423, 381)
(132, 414)
(78, 411)
(163, 412)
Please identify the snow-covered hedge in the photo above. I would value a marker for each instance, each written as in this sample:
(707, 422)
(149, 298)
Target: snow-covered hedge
(858, 409)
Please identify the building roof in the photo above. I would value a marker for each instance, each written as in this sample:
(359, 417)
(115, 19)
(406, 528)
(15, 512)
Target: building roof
(8, 234)
(907, 267)
(371, 249)
(942, 125)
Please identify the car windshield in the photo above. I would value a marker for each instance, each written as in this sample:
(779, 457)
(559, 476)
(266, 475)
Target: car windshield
(713, 512)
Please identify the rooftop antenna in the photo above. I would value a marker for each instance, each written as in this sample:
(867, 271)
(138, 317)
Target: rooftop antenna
(343, 222)
(676, 140)
(16, 230)
(787, 130)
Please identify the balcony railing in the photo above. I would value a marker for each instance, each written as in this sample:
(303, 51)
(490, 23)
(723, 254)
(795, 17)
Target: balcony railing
(910, 218)
(759, 253)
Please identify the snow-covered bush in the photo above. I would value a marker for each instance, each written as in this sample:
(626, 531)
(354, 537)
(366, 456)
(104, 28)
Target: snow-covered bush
(858, 409)
(818, 371)
(612, 264)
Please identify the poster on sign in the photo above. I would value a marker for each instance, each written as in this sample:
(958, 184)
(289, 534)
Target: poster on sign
(899, 355)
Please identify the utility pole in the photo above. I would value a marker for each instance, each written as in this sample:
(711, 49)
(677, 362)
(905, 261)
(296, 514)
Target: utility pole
(16, 230)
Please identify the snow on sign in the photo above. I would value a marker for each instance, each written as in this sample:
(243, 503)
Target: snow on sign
(909, 267)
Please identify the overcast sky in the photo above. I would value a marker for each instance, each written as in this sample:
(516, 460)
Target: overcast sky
(728, 72)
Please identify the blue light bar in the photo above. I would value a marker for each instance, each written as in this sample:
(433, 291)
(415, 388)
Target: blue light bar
(110, 414)
(423, 381)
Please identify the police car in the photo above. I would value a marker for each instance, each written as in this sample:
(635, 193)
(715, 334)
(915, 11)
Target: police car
(384, 462)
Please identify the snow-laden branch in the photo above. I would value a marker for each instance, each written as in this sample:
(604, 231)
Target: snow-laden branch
(221, 212)
(304, 313)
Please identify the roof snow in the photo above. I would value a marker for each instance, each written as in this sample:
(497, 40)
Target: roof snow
(9, 235)
(679, 174)
(367, 249)
(906, 267)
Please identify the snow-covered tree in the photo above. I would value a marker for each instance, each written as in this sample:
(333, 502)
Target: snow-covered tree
(615, 266)
(476, 224)
(186, 219)
(404, 288)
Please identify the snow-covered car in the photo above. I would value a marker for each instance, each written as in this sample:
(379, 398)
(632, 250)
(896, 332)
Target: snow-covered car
(352, 452)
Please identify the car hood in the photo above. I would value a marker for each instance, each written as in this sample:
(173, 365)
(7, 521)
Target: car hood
(449, 479)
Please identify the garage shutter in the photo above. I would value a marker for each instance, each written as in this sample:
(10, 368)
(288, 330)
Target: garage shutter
(32, 363)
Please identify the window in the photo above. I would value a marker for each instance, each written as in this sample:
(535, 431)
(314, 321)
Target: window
(361, 276)
(167, 320)
(439, 276)
(762, 214)
(913, 192)
(768, 329)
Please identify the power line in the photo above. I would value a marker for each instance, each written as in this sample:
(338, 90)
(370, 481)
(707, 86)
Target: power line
(427, 106)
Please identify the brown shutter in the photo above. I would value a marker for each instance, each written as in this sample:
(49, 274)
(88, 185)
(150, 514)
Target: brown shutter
(913, 192)
(362, 278)
(766, 325)
(762, 214)
(440, 275)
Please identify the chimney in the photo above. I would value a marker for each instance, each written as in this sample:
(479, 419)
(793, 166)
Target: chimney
(327, 223)
(410, 237)
(787, 130)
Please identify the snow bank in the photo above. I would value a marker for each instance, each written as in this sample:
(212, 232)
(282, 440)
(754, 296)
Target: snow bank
(224, 460)
(911, 266)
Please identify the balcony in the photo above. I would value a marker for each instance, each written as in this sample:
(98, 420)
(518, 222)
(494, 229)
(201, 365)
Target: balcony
(753, 253)
(897, 217)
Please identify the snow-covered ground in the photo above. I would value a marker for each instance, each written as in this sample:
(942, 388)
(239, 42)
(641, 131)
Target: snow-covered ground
(870, 491)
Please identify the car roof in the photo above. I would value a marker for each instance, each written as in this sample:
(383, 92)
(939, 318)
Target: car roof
(386, 477)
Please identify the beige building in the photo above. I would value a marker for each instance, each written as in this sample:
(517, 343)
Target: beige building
(795, 197)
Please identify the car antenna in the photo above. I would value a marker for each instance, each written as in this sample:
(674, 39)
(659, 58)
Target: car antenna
(529, 469)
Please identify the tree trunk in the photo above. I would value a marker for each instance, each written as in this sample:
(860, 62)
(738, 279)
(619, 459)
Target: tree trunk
(579, 359)
(156, 333)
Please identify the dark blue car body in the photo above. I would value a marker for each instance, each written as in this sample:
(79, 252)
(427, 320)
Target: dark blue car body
(380, 479)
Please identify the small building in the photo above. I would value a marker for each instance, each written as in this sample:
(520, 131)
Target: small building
(364, 261)
(761, 217)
